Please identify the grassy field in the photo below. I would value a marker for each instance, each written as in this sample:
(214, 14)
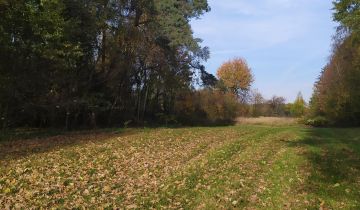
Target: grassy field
(235, 167)
(274, 121)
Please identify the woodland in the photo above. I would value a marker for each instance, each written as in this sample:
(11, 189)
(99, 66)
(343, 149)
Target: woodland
(101, 63)
(104, 63)
(107, 104)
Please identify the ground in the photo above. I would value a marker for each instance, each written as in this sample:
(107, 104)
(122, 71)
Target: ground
(234, 167)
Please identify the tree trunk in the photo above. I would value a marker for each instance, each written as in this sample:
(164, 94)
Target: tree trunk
(4, 117)
(67, 119)
(103, 50)
(104, 38)
(145, 101)
(93, 120)
(138, 103)
(111, 110)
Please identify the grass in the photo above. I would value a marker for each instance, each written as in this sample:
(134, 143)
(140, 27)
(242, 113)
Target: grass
(234, 167)
(27, 133)
(274, 121)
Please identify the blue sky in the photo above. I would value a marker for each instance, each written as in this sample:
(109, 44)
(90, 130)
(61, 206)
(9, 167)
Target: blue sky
(286, 42)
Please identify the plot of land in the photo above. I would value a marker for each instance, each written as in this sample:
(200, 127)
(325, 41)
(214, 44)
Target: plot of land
(237, 167)
(275, 121)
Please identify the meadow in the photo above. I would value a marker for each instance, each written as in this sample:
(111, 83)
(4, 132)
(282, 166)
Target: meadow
(246, 166)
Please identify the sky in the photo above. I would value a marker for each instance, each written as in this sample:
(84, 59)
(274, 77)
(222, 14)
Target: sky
(285, 42)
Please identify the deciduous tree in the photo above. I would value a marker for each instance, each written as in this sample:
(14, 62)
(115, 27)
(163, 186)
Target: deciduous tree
(236, 76)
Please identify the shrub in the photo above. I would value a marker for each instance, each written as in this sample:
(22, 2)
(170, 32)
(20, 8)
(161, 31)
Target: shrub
(318, 121)
(218, 106)
(207, 107)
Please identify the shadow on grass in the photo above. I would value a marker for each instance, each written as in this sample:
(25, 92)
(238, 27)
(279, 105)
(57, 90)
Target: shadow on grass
(20, 143)
(334, 158)
(24, 142)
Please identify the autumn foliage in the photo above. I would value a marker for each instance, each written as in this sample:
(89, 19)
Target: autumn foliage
(336, 97)
(80, 64)
(236, 75)
(207, 106)
(337, 92)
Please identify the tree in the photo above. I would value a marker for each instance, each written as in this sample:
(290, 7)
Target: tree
(96, 62)
(336, 95)
(236, 76)
(298, 108)
(207, 106)
(257, 104)
(347, 12)
(337, 92)
(35, 54)
(277, 106)
(208, 80)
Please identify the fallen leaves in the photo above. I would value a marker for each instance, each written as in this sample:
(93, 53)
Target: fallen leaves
(234, 203)
(93, 171)
(223, 168)
(253, 198)
(86, 192)
(132, 206)
(7, 190)
(107, 189)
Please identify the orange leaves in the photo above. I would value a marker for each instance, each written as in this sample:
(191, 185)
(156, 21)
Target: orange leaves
(218, 105)
(236, 74)
(215, 106)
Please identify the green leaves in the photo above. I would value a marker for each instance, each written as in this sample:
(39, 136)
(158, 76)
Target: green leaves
(174, 17)
(347, 12)
(337, 92)
(82, 63)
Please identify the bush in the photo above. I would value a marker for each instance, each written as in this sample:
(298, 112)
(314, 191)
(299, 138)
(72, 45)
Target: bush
(166, 119)
(206, 107)
(218, 106)
(318, 121)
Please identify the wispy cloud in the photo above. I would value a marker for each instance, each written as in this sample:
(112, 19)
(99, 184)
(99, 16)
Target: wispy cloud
(278, 37)
(258, 7)
(269, 24)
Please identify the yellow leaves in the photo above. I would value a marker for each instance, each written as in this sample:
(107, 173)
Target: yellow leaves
(235, 74)
(28, 194)
(132, 206)
(107, 189)
(86, 192)
(11, 182)
(7, 190)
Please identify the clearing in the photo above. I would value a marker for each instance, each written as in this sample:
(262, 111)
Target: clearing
(235, 167)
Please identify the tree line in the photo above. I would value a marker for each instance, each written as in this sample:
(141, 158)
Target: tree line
(92, 63)
(276, 106)
(66, 63)
(336, 97)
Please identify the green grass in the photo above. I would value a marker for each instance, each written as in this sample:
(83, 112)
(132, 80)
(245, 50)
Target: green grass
(235, 167)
